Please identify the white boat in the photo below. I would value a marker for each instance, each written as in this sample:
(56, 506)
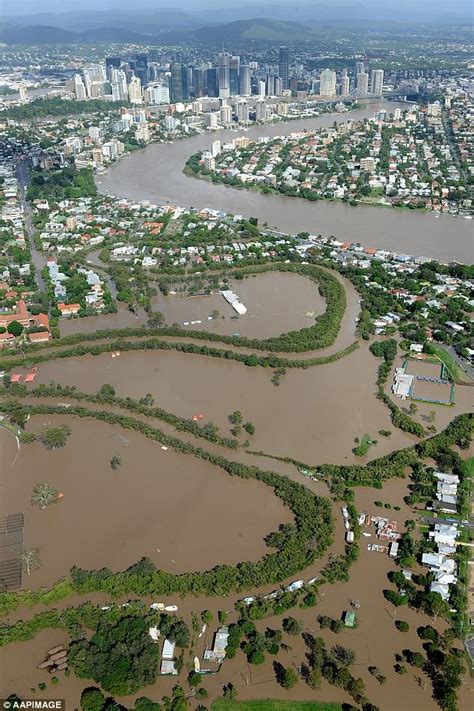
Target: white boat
(171, 608)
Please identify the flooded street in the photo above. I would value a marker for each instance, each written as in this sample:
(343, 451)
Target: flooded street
(155, 174)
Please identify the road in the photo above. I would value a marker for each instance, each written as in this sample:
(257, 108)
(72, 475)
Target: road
(434, 519)
(463, 364)
(38, 259)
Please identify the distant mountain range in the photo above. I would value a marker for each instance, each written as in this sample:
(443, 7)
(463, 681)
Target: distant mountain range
(257, 29)
(249, 22)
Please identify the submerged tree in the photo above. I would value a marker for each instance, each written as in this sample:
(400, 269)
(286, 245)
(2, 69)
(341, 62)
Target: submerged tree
(43, 495)
(54, 437)
(116, 461)
(30, 561)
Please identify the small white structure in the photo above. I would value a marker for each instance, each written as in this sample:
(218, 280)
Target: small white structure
(402, 383)
(234, 301)
(393, 551)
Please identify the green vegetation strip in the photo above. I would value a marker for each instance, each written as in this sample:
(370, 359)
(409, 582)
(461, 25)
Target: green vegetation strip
(297, 547)
(269, 705)
(341, 478)
(208, 431)
(156, 344)
(454, 369)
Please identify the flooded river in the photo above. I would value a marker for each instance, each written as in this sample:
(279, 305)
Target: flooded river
(155, 174)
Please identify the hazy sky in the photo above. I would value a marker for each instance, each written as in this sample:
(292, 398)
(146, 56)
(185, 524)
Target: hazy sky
(391, 7)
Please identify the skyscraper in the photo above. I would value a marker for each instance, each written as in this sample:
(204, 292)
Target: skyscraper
(362, 84)
(79, 88)
(223, 62)
(345, 83)
(359, 68)
(110, 63)
(141, 68)
(284, 66)
(199, 75)
(212, 82)
(242, 111)
(327, 83)
(135, 91)
(179, 82)
(376, 82)
(245, 87)
(234, 71)
(270, 85)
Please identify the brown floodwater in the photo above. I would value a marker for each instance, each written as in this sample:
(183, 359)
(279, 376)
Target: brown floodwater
(124, 318)
(375, 641)
(276, 302)
(314, 415)
(171, 507)
(155, 174)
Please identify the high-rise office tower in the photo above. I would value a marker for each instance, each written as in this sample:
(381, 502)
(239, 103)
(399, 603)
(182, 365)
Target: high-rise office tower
(362, 84)
(199, 75)
(359, 68)
(244, 84)
(278, 86)
(118, 81)
(345, 83)
(376, 82)
(270, 85)
(135, 91)
(110, 63)
(179, 82)
(79, 88)
(234, 71)
(141, 68)
(284, 66)
(22, 92)
(261, 111)
(212, 82)
(223, 62)
(327, 83)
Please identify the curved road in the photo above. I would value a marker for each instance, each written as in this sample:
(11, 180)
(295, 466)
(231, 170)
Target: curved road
(155, 174)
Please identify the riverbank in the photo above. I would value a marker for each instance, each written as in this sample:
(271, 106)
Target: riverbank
(156, 174)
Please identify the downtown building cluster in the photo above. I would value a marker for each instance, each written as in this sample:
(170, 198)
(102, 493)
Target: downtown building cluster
(139, 80)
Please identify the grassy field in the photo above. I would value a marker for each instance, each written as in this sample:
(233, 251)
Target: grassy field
(269, 705)
(457, 373)
(469, 466)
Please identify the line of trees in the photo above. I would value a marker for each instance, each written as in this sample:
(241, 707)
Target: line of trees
(252, 359)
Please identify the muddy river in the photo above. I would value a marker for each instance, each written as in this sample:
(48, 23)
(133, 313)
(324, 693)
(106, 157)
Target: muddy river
(155, 174)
